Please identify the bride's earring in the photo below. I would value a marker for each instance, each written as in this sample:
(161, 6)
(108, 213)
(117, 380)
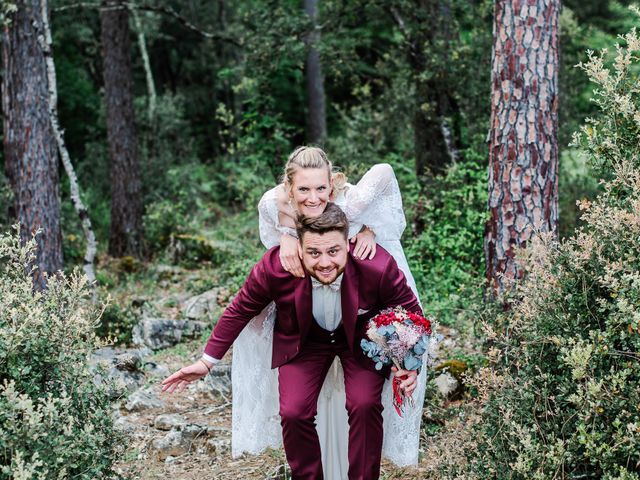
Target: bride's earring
(291, 205)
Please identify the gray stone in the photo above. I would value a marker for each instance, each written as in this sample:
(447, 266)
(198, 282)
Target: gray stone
(446, 383)
(124, 425)
(201, 305)
(218, 381)
(119, 369)
(218, 431)
(168, 421)
(143, 399)
(156, 370)
(171, 445)
(191, 431)
(157, 333)
(178, 441)
(218, 446)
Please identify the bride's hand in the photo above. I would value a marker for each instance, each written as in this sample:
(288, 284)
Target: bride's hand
(365, 241)
(289, 256)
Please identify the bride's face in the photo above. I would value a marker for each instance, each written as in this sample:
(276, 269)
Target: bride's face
(310, 190)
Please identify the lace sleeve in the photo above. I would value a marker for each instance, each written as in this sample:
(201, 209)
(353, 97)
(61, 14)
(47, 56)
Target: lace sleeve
(268, 222)
(376, 202)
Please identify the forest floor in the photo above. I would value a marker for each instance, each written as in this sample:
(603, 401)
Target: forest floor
(207, 454)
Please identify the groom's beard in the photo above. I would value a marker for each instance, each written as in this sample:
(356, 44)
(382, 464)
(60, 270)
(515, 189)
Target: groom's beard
(322, 279)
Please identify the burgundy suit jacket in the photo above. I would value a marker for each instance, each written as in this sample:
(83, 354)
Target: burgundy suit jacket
(368, 286)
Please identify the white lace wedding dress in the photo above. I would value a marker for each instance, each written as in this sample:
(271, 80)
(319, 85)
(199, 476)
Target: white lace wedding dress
(376, 202)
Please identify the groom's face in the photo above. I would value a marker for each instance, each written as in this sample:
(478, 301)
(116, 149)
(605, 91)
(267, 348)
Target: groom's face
(324, 255)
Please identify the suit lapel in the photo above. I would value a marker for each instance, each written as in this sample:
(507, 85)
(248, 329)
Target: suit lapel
(304, 308)
(349, 294)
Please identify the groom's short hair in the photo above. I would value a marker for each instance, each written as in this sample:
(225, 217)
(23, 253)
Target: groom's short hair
(331, 220)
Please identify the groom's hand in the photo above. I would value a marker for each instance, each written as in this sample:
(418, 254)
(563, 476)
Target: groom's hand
(183, 377)
(409, 382)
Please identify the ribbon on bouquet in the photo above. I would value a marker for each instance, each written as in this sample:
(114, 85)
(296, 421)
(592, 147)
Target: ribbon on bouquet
(398, 396)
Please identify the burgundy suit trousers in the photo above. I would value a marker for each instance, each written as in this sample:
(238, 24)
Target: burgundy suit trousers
(300, 382)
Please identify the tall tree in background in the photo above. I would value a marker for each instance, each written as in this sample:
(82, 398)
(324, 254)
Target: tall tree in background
(523, 149)
(125, 237)
(31, 160)
(314, 80)
(426, 28)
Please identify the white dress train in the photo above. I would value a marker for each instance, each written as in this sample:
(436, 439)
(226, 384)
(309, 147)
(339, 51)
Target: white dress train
(374, 201)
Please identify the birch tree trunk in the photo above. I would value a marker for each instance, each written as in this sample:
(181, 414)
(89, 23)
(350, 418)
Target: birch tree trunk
(314, 80)
(523, 149)
(81, 210)
(125, 237)
(31, 161)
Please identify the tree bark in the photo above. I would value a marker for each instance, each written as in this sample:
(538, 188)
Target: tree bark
(314, 80)
(81, 210)
(523, 149)
(31, 162)
(125, 236)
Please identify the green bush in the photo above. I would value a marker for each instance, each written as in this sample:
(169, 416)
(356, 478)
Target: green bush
(116, 323)
(54, 421)
(561, 399)
(447, 258)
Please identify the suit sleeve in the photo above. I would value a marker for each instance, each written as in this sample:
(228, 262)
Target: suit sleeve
(395, 291)
(253, 297)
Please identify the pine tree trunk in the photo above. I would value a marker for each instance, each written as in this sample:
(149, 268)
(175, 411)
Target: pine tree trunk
(314, 81)
(523, 149)
(125, 237)
(31, 160)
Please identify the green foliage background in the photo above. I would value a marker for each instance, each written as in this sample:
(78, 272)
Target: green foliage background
(231, 107)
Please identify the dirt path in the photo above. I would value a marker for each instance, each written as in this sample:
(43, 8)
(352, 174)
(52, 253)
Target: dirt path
(208, 454)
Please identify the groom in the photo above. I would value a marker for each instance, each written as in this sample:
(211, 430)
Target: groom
(318, 318)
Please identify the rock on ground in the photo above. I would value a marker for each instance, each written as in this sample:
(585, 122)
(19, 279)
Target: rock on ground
(157, 333)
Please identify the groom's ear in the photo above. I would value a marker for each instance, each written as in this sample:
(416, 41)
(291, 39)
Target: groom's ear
(300, 248)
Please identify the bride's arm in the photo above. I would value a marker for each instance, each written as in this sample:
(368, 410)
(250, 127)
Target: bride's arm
(279, 229)
(375, 201)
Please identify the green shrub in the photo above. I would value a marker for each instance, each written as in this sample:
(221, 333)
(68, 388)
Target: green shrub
(578, 181)
(116, 323)
(163, 219)
(561, 398)
(54, 421)
(447, 258)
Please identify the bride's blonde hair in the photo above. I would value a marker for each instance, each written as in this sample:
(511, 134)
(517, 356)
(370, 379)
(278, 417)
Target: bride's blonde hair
(312, 157)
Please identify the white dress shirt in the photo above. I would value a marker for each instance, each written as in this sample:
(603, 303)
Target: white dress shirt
(326, 305)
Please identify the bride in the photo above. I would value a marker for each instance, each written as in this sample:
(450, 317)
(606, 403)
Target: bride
(374, 209)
